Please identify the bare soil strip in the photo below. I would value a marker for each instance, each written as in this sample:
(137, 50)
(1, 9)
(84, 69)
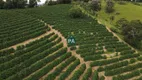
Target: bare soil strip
(72, 51)
(63, 40)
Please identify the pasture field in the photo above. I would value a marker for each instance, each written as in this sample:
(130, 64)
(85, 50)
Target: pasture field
(128, 11)
(49, 57)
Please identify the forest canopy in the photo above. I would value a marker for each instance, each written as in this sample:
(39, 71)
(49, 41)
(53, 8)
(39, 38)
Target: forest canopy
(12, 4)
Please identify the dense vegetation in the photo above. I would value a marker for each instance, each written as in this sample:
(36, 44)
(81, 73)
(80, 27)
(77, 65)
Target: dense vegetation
(114, 13)
(132, 31)
(11, 4)
(15, 32)
(47, 58)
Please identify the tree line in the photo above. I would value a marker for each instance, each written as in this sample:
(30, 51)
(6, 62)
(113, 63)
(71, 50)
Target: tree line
(12, 4)
(132, 31)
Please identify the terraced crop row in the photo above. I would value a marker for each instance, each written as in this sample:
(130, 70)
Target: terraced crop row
(19, 28)
(48, 59)
(122, 63)
(37, 59)
(96, 44)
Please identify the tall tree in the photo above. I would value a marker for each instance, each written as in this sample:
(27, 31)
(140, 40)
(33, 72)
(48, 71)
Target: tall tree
(133, 33)
(1, 4)
(109, 6)
(95, 5)
(64, 1)
(19, 3)
(8, 4)
(32, 3)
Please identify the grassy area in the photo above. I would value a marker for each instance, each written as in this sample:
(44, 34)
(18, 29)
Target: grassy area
(128, 11)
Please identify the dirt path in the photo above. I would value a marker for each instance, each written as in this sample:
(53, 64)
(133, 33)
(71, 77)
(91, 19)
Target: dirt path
(72, 51)
(59, 34)
(65, 45)
(63, 40)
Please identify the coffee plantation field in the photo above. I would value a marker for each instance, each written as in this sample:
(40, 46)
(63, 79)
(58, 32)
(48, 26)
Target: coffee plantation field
(33, 46)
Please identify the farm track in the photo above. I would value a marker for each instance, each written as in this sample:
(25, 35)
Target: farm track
(68, 50)
(73, 52)
(64, 41)
(65, 45)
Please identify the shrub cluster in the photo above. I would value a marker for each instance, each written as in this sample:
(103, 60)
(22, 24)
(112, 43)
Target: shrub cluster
(133, 38)
(73, 48)
(75, 12)
(64, 1)
(109, 6)
(95, 5)
(52, 2)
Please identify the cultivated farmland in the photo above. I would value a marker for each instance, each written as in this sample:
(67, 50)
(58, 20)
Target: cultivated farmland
(34, 47)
